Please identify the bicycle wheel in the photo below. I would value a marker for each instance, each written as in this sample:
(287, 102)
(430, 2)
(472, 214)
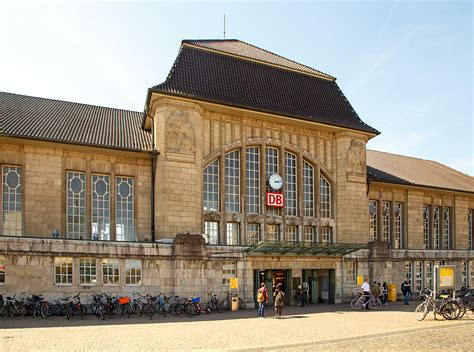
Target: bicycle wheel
(421, 311)
(356, 303)
(45, 310)
(225, 305)
(174, 309)
(100, 312)
(450, 311)
(128, 310)
(148, 310)
(376, 304)
(212, 305)
(17, 311)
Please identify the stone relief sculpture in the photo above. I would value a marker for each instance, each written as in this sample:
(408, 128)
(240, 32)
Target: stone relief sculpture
(180, 133)
(356, 157)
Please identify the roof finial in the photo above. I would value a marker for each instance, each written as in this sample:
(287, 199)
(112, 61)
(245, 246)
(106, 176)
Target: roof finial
(224, 26)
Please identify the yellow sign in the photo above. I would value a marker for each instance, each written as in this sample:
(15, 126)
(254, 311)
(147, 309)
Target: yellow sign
(234, 283)
(447, 276)
(360, 280)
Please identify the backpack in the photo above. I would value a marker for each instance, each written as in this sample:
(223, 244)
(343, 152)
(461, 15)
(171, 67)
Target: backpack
(260, 296)
(402, 287)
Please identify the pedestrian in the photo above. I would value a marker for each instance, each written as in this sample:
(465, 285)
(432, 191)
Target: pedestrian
(406, 291)
(385, 293)
(262, 299)
(365, 288)
(278, 298)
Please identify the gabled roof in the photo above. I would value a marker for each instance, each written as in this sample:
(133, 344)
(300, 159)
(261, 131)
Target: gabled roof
(254, 79)
(66, 122)
(399, 169)
(245, 50)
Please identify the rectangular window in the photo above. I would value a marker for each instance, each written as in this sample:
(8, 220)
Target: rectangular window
(409, 272)
(351, 271)
(426, 226)
(12, 189)
(232, 238)
(291, 233)
(290, 184)
(76, 205)
(418, 276)
(470, 237)
(124, 199)
(211, 186)
(229, 270)
(110, 272)
(429, 275)
(87, 271)
(386, 221)
(436, 227)
(309, 234)
(272, 233)
(232, 181)
(253, 234)
(101, 207)
(447, 229)
(133, 272)
(2, 270)
(373, 220)
(211, 229)
(271, 167)
(464, 272)
(398, 228)
(63, 271)
(326, 235)
(471, 268)
(325, 197)
(308, 189)
(253, 180)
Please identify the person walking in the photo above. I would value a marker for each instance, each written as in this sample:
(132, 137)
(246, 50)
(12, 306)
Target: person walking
(278, 298)
(262, 299)
(299, 296)
(365, 288)
(406, 291)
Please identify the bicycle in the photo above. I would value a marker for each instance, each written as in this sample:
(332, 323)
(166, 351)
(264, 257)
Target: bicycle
(160, 305)
(225, 304)
(449, 309)
(13, 308)
(179, 307)
(465, 299)
(366, 300)
(213, 303)
(74, 307)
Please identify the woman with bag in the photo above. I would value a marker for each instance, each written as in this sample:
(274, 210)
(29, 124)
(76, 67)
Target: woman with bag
(262, 299)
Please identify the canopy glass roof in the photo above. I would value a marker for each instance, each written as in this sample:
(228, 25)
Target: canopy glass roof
(304, 248)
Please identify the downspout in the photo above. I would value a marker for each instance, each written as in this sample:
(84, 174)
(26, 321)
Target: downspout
(342, 279)
(154, 155)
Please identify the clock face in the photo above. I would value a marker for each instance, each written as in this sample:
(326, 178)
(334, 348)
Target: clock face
(275, 181)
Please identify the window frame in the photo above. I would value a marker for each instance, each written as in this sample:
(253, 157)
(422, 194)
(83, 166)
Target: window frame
(128, 276)
(18, 201)
(211, 232)
(77, 227)
(82, 274)
(112, 268)
(325, 205)
(232, 173)
(229, 270)
(68, 264)
(308, 189)
(252, 180)
(351, 271)
(210, 188)
(101, 210)
(121, 213)
(291, 184)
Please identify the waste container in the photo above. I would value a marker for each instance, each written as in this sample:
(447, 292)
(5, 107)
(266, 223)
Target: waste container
(392, 293)
(235, 304)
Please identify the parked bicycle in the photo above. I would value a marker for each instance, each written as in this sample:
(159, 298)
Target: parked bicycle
(444, 306)
(364, 301)
(160, 305)
(213, 304)
(13, 307)
(226, 302)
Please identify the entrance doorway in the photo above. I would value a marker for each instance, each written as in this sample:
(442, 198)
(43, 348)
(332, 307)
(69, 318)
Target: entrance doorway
(320, 285)
(271, 279)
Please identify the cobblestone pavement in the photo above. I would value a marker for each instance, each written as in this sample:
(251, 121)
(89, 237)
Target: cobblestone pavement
(323, 327)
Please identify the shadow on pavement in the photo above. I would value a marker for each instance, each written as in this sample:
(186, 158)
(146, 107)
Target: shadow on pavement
(288, 313)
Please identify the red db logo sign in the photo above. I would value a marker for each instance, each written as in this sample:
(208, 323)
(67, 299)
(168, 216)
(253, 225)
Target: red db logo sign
(275, 200)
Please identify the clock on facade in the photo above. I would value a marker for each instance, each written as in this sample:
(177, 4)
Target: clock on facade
(275, 181)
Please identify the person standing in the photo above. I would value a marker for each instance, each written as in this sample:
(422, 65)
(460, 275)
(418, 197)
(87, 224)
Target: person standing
(279, 298)
(385, 294)
(406, 291)
(366, 291)
(262, 299)
(299, 296)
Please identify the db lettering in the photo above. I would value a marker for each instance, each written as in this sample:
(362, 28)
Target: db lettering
(275, 200)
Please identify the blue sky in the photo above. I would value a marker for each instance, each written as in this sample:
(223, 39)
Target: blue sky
(405, 66)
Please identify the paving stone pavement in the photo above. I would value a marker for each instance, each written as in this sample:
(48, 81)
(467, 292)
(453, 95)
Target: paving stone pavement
(322, 327)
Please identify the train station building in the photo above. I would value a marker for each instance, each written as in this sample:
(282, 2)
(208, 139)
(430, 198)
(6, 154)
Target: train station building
(243, 164)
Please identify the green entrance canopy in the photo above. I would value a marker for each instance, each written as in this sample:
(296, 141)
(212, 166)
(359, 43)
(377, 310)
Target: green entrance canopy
(304, 248)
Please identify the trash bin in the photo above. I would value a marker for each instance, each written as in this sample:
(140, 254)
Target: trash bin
(392, 293)
(235, 304)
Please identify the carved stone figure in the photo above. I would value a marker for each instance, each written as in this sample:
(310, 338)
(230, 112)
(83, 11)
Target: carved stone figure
(180, 133)
(356, 157)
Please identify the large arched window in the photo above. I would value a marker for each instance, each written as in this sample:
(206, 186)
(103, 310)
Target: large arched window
(252, 173)
(325, 197)
(308, 189)
(211, 186)
(290, 184)
(232, 181)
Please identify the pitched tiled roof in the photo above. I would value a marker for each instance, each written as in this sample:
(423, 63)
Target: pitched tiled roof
(245, 50)
(393, 168)
(220, 78)
(66, 122)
